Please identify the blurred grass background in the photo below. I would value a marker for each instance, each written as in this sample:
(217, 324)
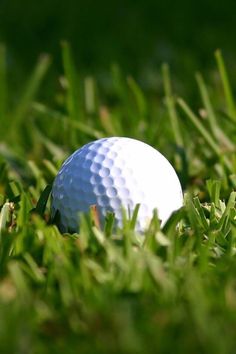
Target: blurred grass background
(139, 35)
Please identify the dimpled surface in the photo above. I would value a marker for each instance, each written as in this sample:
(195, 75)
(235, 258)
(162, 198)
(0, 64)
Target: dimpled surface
(112, 173)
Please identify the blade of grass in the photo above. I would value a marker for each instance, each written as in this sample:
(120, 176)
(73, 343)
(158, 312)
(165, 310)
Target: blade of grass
(233, 180)
(84, 128)
(230, 205)
(3, 86)
(226, 85)
(19, 279)
(94, 213)
(108, 123)
(42, 202)
(37, 173)
(23, 213)
(32, 269)
(134, 217)
(203, 131)
(170, 103)
(139, 97)
(109, 223)
(119, 84)
(206, 101)
(213, 187)
(50, 167)
(202, 216)
(89, 91)
(217, 132)
(193, 216)
(30, 91)
(72, 89)
(56, 151)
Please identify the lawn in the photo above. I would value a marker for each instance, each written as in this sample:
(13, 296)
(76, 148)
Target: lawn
(171, 290)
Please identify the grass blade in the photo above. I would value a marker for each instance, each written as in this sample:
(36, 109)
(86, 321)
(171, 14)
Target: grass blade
(213, 187)
(202, 216)
(203, 131)
(217, 132)
(50, 167)
(109, 224)
(30, 91)
(72, 87)
(170, 103)
(134, 217)
(62, 119)
(19, 279)
(207, 103)
(108, 123)
(226, 85)
(119, 84)
(90, 97)
(139, 96)
(42, 202)
(3, 85)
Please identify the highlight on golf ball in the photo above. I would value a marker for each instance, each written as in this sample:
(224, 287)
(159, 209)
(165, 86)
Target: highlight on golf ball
(114, 174)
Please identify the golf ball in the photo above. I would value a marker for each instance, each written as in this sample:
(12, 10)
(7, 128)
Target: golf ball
(115, 173)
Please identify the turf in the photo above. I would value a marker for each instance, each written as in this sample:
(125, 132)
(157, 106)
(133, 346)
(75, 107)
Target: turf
(114, 291)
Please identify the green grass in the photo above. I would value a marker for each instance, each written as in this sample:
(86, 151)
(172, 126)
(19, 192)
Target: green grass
(172, 290)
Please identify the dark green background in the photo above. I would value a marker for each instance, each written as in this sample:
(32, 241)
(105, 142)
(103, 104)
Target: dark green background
(136, 34)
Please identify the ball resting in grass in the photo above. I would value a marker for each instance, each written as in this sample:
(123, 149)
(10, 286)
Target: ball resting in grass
(115, 173)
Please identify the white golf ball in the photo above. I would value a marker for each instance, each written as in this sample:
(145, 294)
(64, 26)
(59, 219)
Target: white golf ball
(115, 173)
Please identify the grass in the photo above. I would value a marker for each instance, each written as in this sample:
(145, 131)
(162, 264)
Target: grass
(114, 291)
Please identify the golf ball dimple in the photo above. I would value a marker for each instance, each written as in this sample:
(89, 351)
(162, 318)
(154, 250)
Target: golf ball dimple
(115, 173)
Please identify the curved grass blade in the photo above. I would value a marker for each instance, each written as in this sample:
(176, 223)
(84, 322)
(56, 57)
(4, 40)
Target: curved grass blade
(203, 131)
(72, 124)
(72, 88)
(30, 91)
(42, 202)
(170, 103)
(226, 85)
(216, 130)
(3, 86)
(139, 96)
